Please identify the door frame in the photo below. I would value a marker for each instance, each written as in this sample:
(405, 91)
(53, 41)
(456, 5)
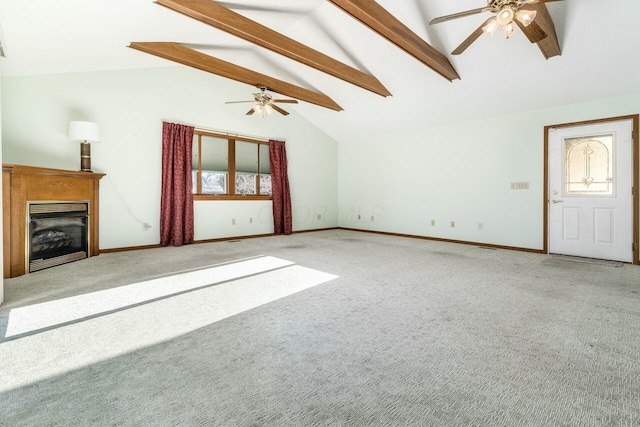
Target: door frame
(635, 118)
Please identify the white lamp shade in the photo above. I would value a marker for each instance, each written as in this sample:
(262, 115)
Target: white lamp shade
(84, 131)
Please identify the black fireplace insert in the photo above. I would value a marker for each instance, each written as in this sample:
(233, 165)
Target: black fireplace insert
(58, 233)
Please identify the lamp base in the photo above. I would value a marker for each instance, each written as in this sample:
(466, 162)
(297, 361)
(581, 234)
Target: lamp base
(85, 157)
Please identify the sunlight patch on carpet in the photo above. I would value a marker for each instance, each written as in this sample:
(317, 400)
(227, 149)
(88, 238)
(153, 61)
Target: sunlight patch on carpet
(40, 316)
(35, 357)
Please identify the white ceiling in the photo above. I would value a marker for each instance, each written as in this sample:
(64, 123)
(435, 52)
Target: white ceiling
(600, 42)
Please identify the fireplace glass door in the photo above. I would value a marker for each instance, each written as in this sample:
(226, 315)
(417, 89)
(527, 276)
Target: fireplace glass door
(58, 233)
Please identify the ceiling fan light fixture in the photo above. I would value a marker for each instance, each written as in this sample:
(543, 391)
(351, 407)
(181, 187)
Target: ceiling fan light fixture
(526, 16)
(263, 109)
(505, 16)
(491, 26)
(507, 30)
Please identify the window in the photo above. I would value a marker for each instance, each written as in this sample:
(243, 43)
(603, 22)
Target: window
(226, 168)
(589, 166)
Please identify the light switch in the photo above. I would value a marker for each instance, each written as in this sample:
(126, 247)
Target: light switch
(519, 185)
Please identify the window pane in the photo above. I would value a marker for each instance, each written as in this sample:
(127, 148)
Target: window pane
(194, 153)
(214, 182)
(265, 171)
(265, 185)
(265, 167)
(215, 165)
(589, 165)
(245, 183)
(194, 165)
(215, 154)
(246, 167)
(246, 157)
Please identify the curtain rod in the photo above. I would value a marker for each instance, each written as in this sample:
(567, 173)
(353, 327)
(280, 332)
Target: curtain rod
(227, 133)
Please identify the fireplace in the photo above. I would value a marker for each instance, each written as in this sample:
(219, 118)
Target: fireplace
(30, 195)
(58, 233)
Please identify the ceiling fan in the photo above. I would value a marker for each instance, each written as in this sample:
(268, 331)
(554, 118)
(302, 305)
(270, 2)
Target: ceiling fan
(508, 13)
(264, 104)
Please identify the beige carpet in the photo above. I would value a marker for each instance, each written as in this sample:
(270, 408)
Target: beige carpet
(353, 329)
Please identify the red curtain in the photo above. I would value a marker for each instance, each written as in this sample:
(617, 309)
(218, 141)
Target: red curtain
(176, 200)
(280, 188)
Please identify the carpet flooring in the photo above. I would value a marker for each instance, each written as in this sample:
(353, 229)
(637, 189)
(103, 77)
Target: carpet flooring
(331, 328)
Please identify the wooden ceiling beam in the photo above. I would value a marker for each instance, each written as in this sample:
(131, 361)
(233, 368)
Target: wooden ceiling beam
(549, 46)
(192, 58)
(374, 16)
(220, 17)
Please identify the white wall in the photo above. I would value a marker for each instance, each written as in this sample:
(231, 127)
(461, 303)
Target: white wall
(130, 107)
(460, 172)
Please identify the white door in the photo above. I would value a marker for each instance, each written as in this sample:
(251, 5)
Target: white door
(590, 190)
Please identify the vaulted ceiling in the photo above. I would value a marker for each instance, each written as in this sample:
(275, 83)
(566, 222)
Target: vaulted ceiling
(598, 40)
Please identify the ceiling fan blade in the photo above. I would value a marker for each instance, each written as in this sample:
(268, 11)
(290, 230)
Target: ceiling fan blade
(533, 31)
(279, 110)
(237, 102)
(238, 6)
(457, 15)
(473, 37)
(285, 101)
(250, 112)
(213, 46)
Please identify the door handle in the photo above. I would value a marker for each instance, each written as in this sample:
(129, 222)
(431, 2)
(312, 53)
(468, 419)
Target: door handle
(557, 201)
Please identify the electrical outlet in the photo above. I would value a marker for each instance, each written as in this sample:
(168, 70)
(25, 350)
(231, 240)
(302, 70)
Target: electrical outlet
(359, 217)
(480, 226)
(250, 220)
(453, 224)
(319, 217)
(433, 222)
(233, 221)
(373, 218)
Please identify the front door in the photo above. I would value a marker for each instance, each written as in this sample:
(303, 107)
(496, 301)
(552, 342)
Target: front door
(590, 198)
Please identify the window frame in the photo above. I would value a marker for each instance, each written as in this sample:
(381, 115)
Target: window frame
(231, 166)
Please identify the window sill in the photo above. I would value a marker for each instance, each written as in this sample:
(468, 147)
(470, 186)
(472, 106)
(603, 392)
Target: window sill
(199, 197)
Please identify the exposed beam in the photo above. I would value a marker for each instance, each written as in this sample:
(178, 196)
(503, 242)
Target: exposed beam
(549, 46)
(192, 58)
(378, 19)
(227, 20)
